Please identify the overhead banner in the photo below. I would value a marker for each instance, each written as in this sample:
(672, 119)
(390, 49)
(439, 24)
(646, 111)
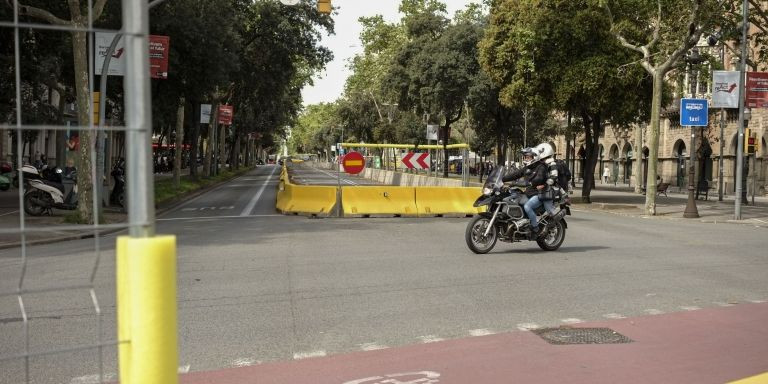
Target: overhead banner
(725, 89)
(757, 90)
(159, 46)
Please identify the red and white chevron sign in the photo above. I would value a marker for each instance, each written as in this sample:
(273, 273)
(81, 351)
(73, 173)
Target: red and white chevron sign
(416, 160)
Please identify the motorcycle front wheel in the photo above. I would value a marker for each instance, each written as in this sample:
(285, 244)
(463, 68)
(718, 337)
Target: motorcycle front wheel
(554, 237)
(475, 235)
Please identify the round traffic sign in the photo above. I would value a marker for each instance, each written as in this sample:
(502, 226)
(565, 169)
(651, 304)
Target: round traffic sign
(353, 162)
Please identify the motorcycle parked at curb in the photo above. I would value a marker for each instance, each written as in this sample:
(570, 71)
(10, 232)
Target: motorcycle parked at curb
(505, 219)
(58, 191)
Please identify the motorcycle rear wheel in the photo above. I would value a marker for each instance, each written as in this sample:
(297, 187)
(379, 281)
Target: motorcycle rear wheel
(474, 235)
(32, 208)
(554, 238)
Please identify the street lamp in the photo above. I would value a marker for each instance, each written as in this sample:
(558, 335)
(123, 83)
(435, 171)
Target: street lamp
(691, 212)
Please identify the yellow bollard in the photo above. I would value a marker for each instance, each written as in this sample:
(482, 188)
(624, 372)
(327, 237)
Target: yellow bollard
(123, 309)
(147, 303)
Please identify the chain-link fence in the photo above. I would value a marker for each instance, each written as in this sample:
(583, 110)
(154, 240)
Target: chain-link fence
(60, 302)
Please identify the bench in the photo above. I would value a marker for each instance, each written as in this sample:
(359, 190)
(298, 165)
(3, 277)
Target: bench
(703, 189)
(661, 188)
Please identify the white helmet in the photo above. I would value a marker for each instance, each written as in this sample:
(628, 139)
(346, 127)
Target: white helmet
(542, 151)
(528, 155)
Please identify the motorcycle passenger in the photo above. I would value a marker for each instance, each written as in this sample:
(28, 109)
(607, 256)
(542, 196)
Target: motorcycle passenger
(536, 173)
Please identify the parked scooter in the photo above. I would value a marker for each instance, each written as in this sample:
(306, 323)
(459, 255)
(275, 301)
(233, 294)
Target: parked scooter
(6, 176)
(117, 197)
(43, 194)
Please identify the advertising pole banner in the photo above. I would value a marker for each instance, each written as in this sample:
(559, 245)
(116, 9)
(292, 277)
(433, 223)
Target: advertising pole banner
(225, 114)
(725, 89)
(159, 46)
(205, 113)
(757, 90)
(102, 42)
(432, 131)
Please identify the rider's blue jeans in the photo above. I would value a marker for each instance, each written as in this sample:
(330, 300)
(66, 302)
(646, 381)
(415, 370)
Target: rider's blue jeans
(530, 209)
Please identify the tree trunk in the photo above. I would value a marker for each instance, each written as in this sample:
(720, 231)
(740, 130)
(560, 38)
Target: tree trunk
(592, 130)
(84, 107)
(234, 163)
(653, 144)
(221, 141)
(193, 143)
(637, 168)
(179, 143)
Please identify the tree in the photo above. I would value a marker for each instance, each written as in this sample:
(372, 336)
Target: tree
(559, 55)
(78, 21)
(434, 70)
(660, 34)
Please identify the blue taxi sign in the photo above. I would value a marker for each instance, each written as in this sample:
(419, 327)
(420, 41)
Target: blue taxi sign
(694, 112)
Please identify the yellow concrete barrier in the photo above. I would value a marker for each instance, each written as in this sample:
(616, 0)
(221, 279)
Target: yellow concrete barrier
(146, 310)
(431, 201)
(314, 199)
(378, 200)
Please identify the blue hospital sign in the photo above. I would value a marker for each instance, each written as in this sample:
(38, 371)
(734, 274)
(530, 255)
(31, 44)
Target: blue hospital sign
(694, 112)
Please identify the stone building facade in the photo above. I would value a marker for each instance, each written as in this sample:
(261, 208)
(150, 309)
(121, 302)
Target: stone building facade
(618, 152)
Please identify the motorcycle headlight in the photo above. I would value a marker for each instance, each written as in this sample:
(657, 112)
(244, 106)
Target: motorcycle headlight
(487, 191)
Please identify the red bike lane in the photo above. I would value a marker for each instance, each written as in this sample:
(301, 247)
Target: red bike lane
(716, 345)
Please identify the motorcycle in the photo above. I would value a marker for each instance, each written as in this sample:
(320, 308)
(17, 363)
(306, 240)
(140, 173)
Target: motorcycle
(117, 196)
(6, 176)
(58, 191)
(505, 219)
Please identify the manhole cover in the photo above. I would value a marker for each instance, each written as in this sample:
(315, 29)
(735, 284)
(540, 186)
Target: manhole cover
(565, 336)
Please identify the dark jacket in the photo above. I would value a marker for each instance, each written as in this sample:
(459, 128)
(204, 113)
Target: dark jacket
(535, 174)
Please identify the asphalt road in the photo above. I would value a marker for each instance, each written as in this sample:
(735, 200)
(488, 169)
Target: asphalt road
(257, 287)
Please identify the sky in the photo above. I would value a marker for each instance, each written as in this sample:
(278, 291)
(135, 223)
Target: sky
(329, 84)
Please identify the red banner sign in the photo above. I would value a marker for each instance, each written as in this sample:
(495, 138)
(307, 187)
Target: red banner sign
(757, 90)
(159, 46)
(225, 114)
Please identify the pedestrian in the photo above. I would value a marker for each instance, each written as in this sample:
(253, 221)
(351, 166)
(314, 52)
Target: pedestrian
(606, 174)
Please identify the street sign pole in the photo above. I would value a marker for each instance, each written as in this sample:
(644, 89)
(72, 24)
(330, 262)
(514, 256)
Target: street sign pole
(693, 113)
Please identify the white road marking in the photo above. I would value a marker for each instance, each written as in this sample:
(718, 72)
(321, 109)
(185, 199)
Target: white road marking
(9, 213)
(481, 332)
(372, 347)
(307, 355)
(653, 311)
(723, 304)
(430, 339)
(257, 196)
(425, 377)
(215, 217)
(244, 362)
(528, 326)
(757, 301)
(347, 181)
(184, 368)
(614, 316)
(92, 379)
(571, 321)
(690, 308)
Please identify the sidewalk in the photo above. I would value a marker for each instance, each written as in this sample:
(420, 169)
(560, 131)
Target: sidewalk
(621, 199)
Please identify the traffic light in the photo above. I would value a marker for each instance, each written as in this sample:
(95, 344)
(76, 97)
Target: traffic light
(324, 6)
(750, 142)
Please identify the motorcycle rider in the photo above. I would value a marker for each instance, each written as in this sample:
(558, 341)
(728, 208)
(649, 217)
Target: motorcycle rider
(540, 180)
